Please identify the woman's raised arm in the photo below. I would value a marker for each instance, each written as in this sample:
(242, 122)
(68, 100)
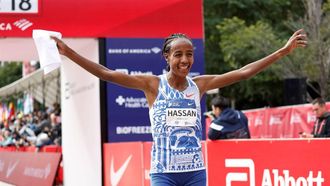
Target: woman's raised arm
(208, 82)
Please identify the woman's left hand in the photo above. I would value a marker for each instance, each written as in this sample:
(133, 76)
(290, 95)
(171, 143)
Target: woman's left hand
(298, 39)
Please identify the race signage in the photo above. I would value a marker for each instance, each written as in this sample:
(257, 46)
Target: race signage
(268, 162)
(102, 18)
(19, 6)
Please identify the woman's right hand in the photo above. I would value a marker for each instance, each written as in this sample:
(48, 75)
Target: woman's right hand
(61, 46)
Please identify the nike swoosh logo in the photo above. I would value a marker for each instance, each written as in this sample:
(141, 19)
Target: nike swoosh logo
(117, 175)
(189, 95)
(11, 168)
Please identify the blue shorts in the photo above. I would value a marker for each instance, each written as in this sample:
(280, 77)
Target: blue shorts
(193, 178)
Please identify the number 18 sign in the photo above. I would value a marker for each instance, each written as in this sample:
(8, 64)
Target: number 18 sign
(19, 6)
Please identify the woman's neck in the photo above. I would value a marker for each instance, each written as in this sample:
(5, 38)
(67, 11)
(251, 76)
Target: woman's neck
(176, 82)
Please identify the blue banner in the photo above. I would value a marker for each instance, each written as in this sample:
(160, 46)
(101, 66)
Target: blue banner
(127, 109)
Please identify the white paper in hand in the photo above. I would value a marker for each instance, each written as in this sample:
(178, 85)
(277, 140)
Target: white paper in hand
(49, 56)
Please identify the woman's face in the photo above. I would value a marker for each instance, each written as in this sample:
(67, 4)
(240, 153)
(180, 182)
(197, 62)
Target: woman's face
(180, 57)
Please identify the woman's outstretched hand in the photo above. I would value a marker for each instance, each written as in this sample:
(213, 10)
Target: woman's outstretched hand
(298, 39)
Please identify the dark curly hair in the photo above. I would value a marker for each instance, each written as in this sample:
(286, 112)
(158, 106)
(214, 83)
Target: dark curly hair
(168, 41)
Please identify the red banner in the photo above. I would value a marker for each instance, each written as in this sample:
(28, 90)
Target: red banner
(268, 163)
(104, 18)
(277, 118)
(28, 168)
(257, 122)
(281, 122)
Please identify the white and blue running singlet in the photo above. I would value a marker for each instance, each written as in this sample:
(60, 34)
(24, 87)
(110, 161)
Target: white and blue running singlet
(176, 127)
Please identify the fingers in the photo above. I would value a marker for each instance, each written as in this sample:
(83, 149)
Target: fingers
(298, 32)
(55, 38)
(300, 38)
(302, 43)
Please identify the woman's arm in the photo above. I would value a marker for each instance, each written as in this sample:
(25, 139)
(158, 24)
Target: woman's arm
(208, 82)
(140, 82)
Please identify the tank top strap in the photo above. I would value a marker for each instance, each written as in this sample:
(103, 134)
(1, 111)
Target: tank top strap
(162, 86)
(190, 82)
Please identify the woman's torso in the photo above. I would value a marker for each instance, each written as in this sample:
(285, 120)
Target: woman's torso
(175, 118)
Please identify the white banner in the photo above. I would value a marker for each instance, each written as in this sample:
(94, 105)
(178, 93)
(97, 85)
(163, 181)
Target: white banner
(80, 95)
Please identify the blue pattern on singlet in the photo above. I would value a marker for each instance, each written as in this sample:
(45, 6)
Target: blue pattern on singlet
(176, 129)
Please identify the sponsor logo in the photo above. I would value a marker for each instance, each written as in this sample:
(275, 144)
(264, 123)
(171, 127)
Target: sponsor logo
(189, 95)
(241, 177)
(153, 50)
(11, 168)
(174, 104)
(295, 119)
(275, 120)
(72, 89)
(189, 104)
(311, 118)
(67, 90)
(130, 102)
(23, 24)
(122, 70)
(120, 100)
(116, 176)
(133, 72)
(40, 173)
(287, 180)
(258, 121)
(271, 177)
(133, 130)
(5, 26)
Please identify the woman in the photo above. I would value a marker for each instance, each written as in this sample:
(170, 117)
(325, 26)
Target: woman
(174, 104)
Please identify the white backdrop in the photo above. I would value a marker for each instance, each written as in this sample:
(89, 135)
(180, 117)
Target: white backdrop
(80, 96)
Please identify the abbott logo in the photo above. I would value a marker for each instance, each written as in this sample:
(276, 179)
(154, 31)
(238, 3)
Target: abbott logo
(242, 177)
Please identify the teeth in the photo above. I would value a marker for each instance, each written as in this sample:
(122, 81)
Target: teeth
(184, 66)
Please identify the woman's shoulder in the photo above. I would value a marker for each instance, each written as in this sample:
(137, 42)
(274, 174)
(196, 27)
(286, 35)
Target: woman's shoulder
(153, 80)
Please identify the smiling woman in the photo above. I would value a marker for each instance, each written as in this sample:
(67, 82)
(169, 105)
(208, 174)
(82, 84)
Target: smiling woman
(174, 104)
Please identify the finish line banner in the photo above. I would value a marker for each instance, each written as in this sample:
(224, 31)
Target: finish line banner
(127, 109)
(102, 18)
